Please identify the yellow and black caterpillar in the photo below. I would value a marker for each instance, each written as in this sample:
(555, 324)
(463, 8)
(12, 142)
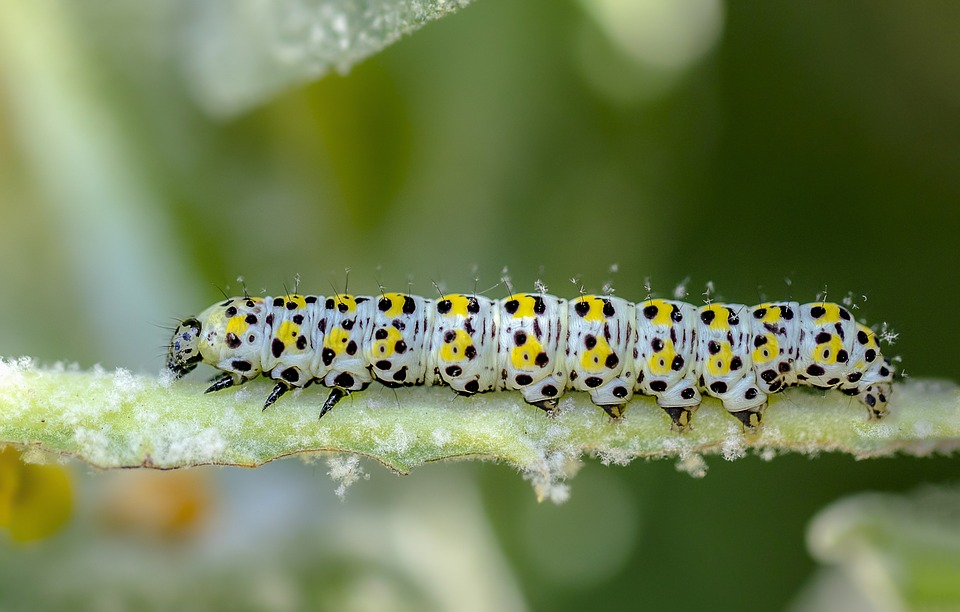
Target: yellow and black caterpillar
(541, 346)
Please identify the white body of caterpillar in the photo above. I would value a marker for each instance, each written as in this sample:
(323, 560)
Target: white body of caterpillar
(541, 346)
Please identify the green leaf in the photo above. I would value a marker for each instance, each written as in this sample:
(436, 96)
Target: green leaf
(895, 552)
(239, 52)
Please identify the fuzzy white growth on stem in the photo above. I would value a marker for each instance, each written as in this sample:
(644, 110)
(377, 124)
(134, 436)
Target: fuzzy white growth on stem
(118, 419)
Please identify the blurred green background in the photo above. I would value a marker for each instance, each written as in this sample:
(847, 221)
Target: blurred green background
(776, 149)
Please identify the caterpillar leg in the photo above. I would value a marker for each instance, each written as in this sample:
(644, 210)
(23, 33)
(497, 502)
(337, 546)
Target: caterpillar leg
(680, 415)
(613, 396)
(873, 388)
(336, 394)
(342, 384)
(544, 394)
(752, 418)
(222, 382)
(679, 401)
(875, 397)
(281, 388)
(614, 410)
(548, 405)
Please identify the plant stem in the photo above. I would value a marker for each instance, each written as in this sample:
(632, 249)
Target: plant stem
(119, 420)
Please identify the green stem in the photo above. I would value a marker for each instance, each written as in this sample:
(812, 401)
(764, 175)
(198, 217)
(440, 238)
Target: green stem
(116, 419)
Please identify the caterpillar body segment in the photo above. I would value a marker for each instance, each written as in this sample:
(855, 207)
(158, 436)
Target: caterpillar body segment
(666, 357)
(724, 346)
(600, 345)
(533, 341)
(287, 355)
(464, 345)
(398, 339)
(875, 385)
(233, 338)
(541, 346)
(776, 344)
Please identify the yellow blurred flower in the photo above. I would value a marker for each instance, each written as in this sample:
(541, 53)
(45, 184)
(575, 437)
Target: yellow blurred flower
(165, 505)
(35, 500)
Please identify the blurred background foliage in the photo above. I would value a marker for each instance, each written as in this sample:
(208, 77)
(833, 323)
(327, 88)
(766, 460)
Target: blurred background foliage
(776, 149)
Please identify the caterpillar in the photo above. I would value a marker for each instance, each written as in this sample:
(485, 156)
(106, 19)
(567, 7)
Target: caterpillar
(541, 346)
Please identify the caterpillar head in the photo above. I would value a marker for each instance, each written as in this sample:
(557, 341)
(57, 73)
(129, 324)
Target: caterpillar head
(183, 353)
